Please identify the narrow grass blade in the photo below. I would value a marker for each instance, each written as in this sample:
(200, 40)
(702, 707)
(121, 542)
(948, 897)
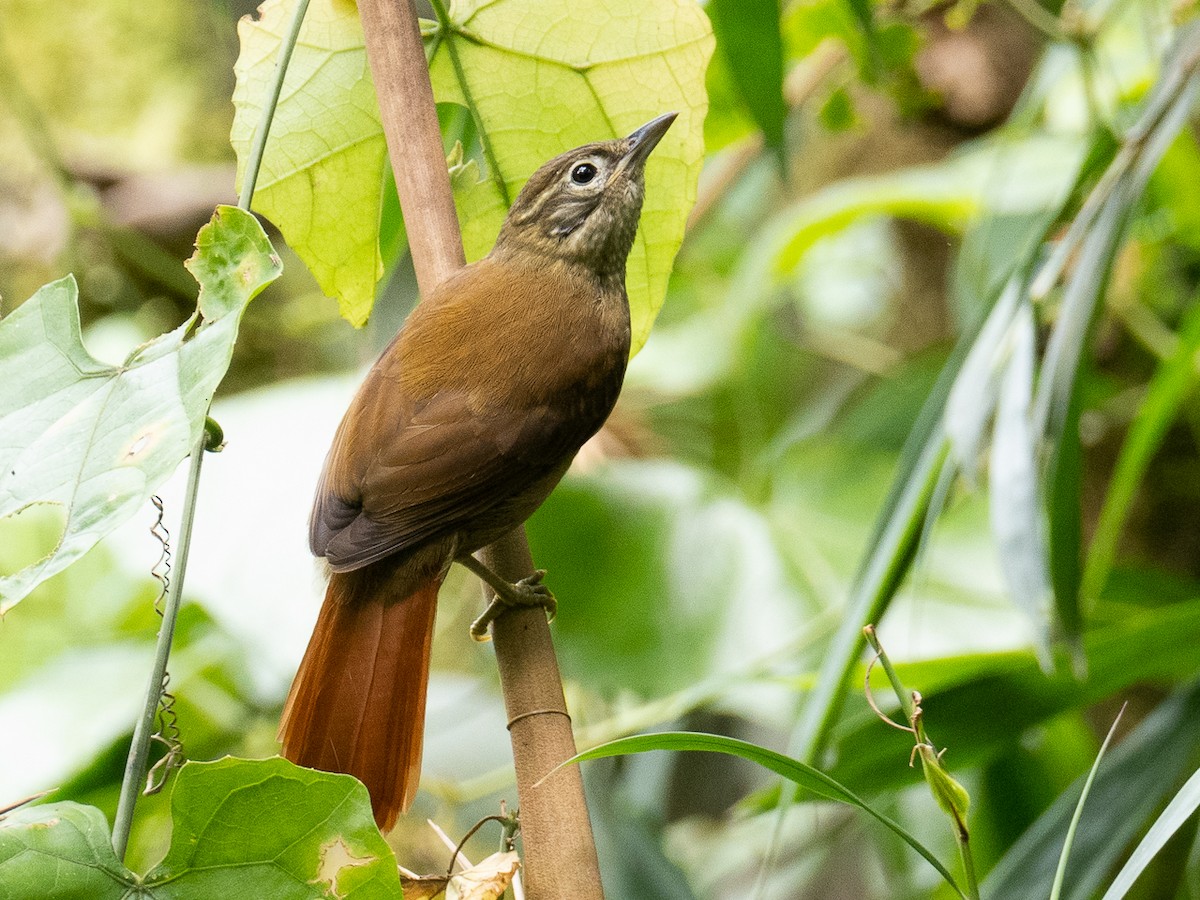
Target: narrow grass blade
(1078, 309)
(801, 774)
(1063, 480)
(972, 400)
(1061, 872)
(1178, 811)
(1137, 779)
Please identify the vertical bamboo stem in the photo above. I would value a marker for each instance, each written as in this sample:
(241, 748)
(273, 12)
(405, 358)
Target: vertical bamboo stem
(414, 139)
(559, 851)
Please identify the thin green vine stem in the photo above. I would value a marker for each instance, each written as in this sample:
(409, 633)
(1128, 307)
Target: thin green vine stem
(139, 748)
(902, 694)
(254, 160)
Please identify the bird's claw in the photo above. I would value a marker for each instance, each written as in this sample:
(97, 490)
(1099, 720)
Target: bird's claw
(534, 593)
(525, 593)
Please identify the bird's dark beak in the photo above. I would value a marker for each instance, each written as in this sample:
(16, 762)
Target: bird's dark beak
(646, 138)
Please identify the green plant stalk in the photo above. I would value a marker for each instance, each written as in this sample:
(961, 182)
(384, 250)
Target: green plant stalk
(908, 704)
(139, 748)
(902, 694)
(952, 798)
(968, 863)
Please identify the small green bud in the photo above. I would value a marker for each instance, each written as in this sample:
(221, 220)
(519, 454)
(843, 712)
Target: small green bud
(951, 796)
(214, 435)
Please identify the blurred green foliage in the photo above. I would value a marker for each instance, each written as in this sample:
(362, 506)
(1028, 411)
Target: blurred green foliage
(705, 550)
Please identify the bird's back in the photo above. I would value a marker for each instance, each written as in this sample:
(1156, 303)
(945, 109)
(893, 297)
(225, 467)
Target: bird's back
(472, 414)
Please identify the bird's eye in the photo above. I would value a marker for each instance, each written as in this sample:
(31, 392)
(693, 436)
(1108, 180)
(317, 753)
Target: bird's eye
(583, 173)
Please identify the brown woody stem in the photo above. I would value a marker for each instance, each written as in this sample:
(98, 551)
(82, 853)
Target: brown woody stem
(559, 852)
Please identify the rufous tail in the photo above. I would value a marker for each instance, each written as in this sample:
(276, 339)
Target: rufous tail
(358, 702)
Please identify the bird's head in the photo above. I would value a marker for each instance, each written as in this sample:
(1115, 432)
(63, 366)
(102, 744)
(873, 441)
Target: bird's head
(583, 207)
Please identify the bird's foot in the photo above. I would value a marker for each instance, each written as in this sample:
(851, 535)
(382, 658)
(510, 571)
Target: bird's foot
(524, 593)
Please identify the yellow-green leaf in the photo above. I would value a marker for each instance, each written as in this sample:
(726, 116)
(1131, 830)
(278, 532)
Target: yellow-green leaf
(543, 77)
(321, 175)
(539, 77)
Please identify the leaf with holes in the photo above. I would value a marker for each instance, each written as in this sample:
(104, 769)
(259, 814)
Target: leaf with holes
(300, 833)
(94, 440)
(539, 79)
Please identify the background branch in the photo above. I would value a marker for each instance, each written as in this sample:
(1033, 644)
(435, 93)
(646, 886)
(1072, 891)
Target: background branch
(560, 856)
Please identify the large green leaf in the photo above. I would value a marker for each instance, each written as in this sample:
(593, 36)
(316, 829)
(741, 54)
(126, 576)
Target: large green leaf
(321, 175)
(96, 440)
(539, 78)
(240, 828)
(299, 833)
(543, 77)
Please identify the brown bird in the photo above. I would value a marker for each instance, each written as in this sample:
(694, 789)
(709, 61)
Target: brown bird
(461, 429)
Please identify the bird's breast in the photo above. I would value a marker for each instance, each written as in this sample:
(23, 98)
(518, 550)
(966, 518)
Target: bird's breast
(526, 336)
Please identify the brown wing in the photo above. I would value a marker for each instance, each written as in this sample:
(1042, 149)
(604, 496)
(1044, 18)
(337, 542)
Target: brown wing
(437, 478)
(418, 457)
